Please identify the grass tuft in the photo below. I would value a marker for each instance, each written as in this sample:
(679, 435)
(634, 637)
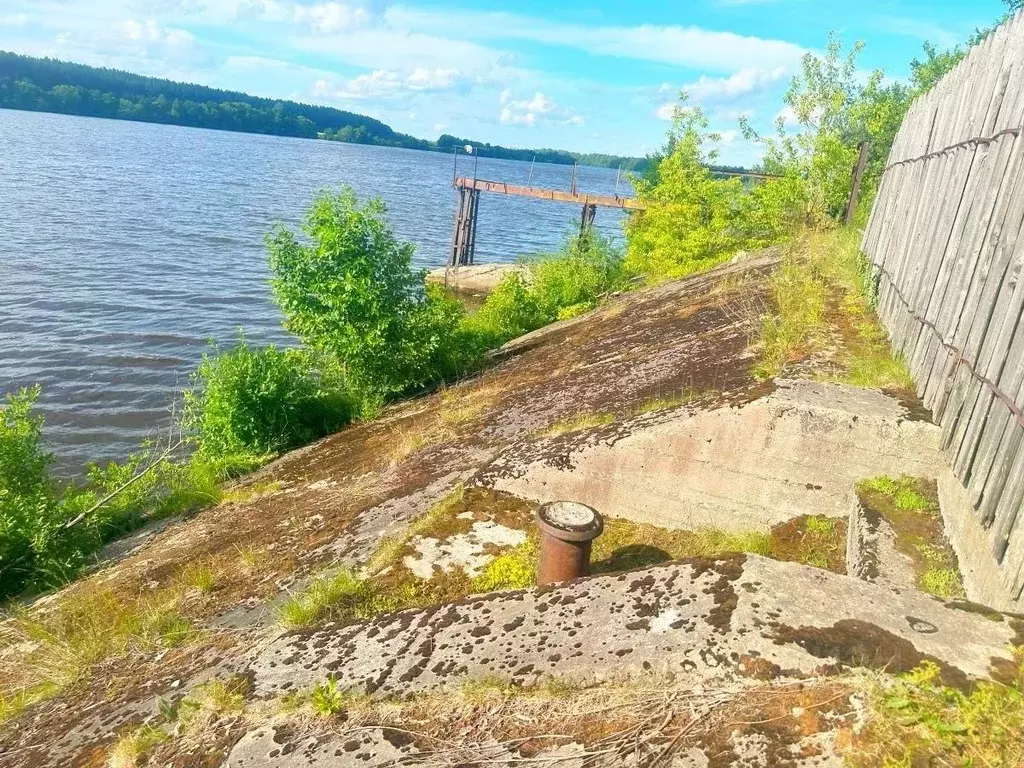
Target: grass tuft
(915, 720)
(685, 396)
(341, 596)
(578, 423)
(199, 576)
(132, 748)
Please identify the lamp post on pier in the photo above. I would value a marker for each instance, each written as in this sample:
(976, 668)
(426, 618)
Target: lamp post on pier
(469, 150)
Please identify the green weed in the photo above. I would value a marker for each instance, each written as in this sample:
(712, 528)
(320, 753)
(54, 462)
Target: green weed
(341, 596)
(577, 424)
(916, 720)
(328, 700)
(515, 569)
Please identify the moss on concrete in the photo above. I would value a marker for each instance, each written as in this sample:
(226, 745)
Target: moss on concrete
(911, 507)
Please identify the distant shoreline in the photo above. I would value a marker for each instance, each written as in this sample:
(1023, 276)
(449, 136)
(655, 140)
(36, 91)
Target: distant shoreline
(32, 84)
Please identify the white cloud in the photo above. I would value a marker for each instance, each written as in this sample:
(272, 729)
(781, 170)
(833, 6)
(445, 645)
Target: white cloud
(666, 111)
(392, 84)
(532, 111)
(678, 45)
(148, 32)
(328, 18)
(14, 20)
(715, 94)
(719, 90)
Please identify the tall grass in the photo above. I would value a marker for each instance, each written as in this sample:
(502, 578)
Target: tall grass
(823, 272)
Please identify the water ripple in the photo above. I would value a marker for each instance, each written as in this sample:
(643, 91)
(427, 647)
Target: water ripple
(125, 247)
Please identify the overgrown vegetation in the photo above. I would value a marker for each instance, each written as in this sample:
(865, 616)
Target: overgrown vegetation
(89, 626)
(916, 720)
(557, 286)
(248, 403)
(910, 505)
(821, 299)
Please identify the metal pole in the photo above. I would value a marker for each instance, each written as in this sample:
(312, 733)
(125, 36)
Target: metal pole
(532, 163)
(858, 175)
(455, 164)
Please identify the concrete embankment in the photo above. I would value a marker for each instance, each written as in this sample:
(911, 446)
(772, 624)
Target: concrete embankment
(647, 408)
(474, 278)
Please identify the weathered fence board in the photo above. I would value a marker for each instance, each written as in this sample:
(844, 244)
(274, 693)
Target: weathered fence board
(946, 236)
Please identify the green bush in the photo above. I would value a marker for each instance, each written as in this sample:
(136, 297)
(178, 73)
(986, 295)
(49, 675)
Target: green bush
(557, 286)
(691, 221)
(350, 293)
(510, 310)
(247, 403)
(36, 548)
(587, 268)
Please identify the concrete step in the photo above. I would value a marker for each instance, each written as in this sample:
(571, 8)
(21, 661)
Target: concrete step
(871, 552)
(705, 617)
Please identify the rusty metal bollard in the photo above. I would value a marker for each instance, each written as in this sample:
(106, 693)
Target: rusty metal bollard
(567, 529)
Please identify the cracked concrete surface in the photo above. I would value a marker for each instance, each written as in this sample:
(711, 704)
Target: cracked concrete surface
(692, 618)
(797, 451)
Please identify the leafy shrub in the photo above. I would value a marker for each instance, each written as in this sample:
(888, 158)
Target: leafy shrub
(574, 279)
(350, 293)
(510, 310)
(558, 286)
(690, 221)
(251, 402)
(36, 547)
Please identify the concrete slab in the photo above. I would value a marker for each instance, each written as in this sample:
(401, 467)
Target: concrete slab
(872, 554)
(475, 278)
(703, 618)
(798, 451)
(273, 746)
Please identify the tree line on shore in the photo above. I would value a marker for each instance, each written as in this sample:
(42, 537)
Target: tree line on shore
(386, 335)
(50, 85)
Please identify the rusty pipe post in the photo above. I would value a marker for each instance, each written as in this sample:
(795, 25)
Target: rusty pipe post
(567, 529)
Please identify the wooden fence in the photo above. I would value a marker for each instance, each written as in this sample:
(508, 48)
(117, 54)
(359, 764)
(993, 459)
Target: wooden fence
(945, 238)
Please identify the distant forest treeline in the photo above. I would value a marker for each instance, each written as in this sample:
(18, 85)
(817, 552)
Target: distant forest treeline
(49, 85)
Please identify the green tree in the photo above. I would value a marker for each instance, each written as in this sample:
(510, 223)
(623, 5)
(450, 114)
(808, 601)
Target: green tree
(350, 293)
(812, 136)
(689, 217)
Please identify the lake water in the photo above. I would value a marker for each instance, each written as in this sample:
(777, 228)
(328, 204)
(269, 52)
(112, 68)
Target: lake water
(124, 247)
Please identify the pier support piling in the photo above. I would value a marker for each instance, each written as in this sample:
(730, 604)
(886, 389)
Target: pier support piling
(467, 213)
(587, 218)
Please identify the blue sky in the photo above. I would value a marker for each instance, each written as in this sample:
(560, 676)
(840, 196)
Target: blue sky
(589, 76)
